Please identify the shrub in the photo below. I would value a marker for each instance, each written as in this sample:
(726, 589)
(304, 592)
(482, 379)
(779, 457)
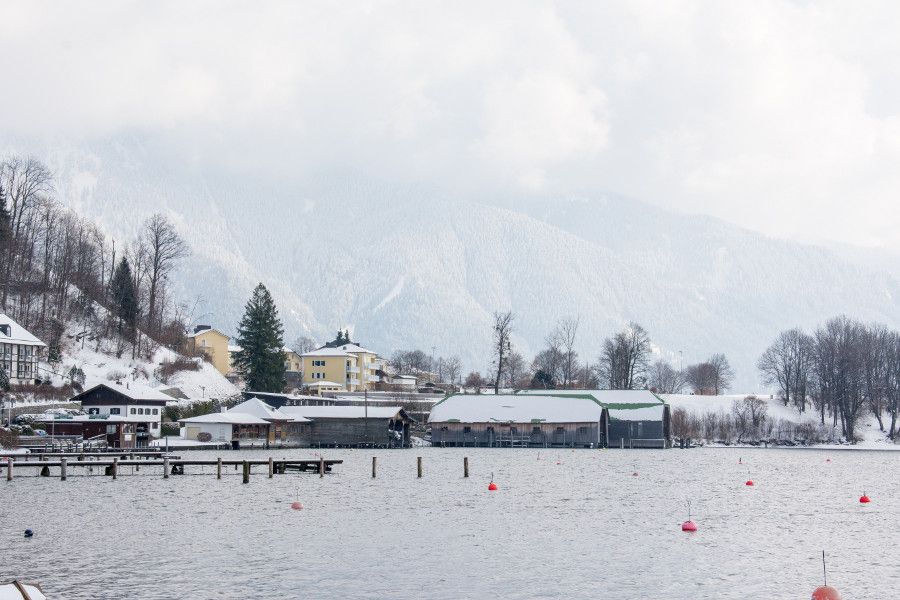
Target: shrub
(168, 368)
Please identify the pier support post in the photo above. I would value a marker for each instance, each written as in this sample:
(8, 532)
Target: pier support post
(271, 467)
(166, 468)
(219, 468)
(622, 443)
(321, 466)
(246, 472)
(115, 467)
(63, 463)
(9, 463)
(465, 466)
(374, 463)
(45, 471)
(419, 466)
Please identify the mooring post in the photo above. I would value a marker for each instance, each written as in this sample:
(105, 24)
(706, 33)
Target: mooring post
(271, 470)
(166, 468)
(219, 468)
(374, 462)
(419, 466)
(622, 443)
(9, 469)
(115, 467)
(465, 466)
(246, 472)
(321, 466)
(63, 463)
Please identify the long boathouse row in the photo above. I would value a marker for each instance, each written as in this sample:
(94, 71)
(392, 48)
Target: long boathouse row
(571, 418)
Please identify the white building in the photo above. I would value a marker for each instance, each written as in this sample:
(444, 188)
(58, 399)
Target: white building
(135, 403)
(19, 351)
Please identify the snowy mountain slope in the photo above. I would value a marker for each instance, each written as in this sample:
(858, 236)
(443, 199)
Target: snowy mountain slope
(408, 266)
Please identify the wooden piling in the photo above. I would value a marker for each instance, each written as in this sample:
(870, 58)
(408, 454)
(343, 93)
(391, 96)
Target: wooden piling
(321, 466)
(246, 472)
(9, 463)
(465, 466)
(165, 468)
(63, 463)
(219, 468)
(622, 443)
(271, 467)
(374, 463)
(115, 467)
(419, 466)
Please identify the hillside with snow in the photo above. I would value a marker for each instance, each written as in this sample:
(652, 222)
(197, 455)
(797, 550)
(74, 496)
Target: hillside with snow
(407, 266)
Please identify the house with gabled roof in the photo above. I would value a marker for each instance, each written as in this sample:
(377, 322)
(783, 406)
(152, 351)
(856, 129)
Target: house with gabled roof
(343, 362)
(20, 351)
(212, 344)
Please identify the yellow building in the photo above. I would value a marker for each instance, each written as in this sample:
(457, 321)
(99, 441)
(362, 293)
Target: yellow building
(349, 365)
(213, 344)
(293, 362)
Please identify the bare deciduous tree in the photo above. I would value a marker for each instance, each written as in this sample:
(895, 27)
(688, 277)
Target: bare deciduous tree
(624, 359)
(665, 379)
(502, 345)
(787, 363)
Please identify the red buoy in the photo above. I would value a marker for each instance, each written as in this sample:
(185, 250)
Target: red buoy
(689, 526)
(296, 506)
(492, 487)
(864, 499)
(749, 482)
(826, 592)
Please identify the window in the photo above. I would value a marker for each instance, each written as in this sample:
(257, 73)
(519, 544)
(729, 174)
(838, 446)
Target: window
(560, 430)
(536, 429)
(133, 411)
(140, 411)
(115, 411)
(154, 425)
(155, 411)
(93, 411)
(583, 430)
(318, 363)
(467, 429)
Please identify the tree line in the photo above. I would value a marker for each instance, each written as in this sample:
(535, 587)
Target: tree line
(842, 370)
(58, 267)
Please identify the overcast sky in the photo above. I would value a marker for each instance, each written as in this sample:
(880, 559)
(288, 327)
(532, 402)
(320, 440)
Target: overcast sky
(778, 116)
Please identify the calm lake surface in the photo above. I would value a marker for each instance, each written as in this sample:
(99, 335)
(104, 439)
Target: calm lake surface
(583, 528)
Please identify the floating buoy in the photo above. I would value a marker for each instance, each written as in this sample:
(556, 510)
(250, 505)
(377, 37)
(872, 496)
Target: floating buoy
(749, 482)
(296, 506)
(492, 487)
(689, 526)
(827, 460)
(740, 461)
(28, 533)
(635, 474)
(864, 499)
(826, 592)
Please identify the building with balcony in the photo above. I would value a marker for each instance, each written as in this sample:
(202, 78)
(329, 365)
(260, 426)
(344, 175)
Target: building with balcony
(347, 364)
(20, 351)
(211, 343)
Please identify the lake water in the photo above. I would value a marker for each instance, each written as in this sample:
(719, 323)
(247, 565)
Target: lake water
(583, 528)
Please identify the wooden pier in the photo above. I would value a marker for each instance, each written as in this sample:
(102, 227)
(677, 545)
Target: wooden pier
(169, 465)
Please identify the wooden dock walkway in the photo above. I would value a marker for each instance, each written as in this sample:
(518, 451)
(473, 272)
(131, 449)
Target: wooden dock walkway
(169, 465)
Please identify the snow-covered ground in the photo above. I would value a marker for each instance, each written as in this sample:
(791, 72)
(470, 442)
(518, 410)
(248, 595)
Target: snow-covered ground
(871, 437)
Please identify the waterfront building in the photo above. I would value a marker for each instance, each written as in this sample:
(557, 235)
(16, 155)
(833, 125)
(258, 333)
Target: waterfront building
(20, 351)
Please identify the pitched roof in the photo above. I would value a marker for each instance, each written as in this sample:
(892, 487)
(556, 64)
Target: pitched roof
(258, 408)
(342, 412)
(17, 333)
(323, 384)
(235, 418)
(327, 352)
(131, 389)
(207, 330)
(608, 398)
(516, 408)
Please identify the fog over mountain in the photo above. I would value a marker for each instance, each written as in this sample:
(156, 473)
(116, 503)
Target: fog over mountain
(407, 266)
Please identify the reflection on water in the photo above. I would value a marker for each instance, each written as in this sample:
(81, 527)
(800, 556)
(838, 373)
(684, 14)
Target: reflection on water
(582, 528)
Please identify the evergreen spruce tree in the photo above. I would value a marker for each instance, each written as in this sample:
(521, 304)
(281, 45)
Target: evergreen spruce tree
(124, 298)
(260, 361)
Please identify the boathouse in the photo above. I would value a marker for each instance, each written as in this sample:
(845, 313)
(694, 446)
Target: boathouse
(637, 418)
(283, 427)
(228, 427)
(138, 406)
(514, 420)
(384, 426)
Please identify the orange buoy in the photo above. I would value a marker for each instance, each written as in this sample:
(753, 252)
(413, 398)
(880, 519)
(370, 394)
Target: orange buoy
(492, 487)
(825, 592)
(296, 506)
(749, 482)
(864, 499)
(689, 526)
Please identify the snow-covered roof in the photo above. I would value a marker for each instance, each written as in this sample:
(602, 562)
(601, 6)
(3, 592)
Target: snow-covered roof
(515, 408)
(17, 333)
(207, 330)
(234, 348)
(235, 418)
(258, 408)
(327, 352)
(609, 398)
(413, 377)
(131, 389)
(341, 412)
(643, 413)
(355, 348)
(323, 384)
